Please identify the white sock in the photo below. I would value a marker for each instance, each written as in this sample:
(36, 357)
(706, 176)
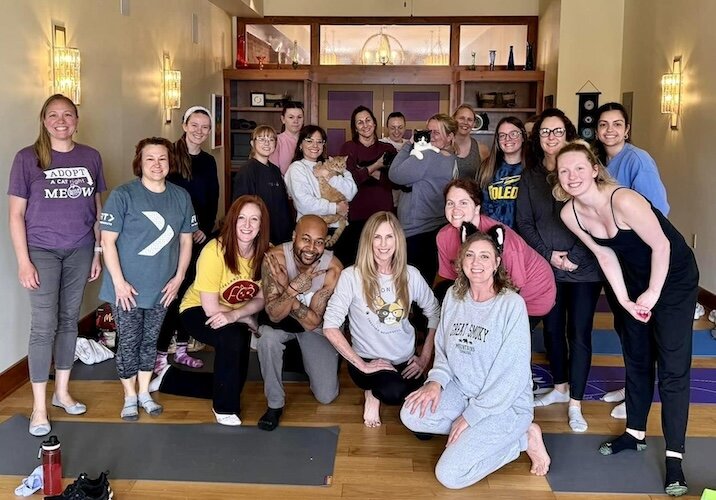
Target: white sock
(576, 420)
(615, 396)
(619, 411)
(674, 454)
(157, 381)
(554, 396)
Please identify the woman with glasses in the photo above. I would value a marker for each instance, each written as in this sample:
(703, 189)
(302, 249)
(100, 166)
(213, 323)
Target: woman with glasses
(196, 172)
(420, 209)
(292, 123)
(500, 173)
(567, 328)
(262, 178)
(468, 151)
(636, 169)
(365, 162)
(302, 181)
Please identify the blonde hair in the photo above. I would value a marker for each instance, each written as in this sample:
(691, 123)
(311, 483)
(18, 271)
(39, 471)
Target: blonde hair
(603, 178)
(261, 131)
(448, 126)
(43, 146)
(365, 261)
(501, 282)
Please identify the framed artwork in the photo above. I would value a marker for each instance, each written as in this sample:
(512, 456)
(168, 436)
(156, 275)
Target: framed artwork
(258, 99)
(217, 111)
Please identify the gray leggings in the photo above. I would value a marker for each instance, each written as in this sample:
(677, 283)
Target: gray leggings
(481, 449)
(137, 333)
(55, 307)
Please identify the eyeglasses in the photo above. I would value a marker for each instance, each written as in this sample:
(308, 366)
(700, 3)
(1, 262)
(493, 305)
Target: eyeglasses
(557, 132)
(512, 135)
(266, 140)
(311, 142)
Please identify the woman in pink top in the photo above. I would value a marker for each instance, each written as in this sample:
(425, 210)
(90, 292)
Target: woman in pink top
(292, 120)
(529, 271)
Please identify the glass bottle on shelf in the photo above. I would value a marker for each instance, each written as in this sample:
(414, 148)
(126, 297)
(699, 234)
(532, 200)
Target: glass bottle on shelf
(530, 60)
(241, 61)
(492, 56)
(511, 59)
(294, 62)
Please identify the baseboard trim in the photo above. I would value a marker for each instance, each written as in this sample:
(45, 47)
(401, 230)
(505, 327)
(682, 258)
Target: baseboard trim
(18, 374)
(707, 299)
(13, 378)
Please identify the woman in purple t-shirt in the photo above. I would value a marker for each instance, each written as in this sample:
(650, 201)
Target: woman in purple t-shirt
(54, 198)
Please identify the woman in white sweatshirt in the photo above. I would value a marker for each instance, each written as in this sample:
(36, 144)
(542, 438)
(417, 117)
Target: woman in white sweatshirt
(479, 391)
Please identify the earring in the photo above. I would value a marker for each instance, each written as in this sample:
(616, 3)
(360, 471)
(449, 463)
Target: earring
(626, 136)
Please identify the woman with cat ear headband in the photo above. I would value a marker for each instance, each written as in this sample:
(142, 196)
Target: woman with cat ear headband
(376, 294)
(367, 160)
(529, 271)
(425, 171)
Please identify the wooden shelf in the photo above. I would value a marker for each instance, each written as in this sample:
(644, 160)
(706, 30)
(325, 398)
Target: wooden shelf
(267, 74)
(506, 110)
(499, 76)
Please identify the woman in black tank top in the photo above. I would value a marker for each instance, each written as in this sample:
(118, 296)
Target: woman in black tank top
(653, 274)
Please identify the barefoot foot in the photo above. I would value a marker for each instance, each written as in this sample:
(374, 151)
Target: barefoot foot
(371, 410)
(537, 451)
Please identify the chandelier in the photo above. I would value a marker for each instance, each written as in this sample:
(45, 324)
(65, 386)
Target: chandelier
(382, 48)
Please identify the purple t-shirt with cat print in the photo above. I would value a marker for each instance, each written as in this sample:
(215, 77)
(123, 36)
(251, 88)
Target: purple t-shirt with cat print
(61, 210)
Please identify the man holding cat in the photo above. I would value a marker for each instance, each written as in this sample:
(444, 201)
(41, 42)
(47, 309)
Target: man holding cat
(298, 278)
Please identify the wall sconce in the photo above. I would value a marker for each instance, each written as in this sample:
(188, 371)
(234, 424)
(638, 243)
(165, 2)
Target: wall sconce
(671, 93)
(65, 67)
(172, 89)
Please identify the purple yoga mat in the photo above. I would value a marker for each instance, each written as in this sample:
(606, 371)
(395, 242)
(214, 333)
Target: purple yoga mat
(608, 378)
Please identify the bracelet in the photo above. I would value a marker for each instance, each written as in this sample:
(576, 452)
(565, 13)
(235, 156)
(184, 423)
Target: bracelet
(97, 249)
(289, 285)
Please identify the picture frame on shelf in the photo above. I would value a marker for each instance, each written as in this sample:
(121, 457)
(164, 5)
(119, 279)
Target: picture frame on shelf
(257, 99)
(217, 112)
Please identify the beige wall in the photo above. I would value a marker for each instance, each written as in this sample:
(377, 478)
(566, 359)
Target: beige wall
(121, 62)
(590, 48)
(373, 8)
(654, 32)
(548, 43)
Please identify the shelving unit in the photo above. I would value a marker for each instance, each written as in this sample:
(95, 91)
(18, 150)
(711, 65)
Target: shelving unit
(238, 86)
(528, 86)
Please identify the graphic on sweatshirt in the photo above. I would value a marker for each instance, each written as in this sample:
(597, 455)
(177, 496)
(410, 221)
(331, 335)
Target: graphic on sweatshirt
(240, 290)
(468, 336)
(389, 313)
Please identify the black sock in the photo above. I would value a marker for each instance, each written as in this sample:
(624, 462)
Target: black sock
(269, 420)
(624, 442)
(675, 483)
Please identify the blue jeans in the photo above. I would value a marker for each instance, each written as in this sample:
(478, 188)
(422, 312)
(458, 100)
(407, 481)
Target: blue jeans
(55, 307)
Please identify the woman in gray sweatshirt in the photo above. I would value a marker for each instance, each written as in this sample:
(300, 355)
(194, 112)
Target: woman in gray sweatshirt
(479, 391)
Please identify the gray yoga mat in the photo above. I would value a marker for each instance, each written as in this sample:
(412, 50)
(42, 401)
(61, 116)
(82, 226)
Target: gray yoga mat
(577, 466)
(107, 370)
(178, 452)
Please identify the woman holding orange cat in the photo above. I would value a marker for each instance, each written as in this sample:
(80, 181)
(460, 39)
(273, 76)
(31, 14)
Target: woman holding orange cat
(367, 160)
(302, 179)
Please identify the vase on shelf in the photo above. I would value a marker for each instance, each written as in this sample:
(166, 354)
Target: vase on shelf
(511, 59)
(472, 66)
(261, 60)
(492, 56)
(294, 62)
(530, 60)
(241, 61)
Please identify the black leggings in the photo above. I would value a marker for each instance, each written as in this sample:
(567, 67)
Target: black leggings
(231, 363)
(388, 387)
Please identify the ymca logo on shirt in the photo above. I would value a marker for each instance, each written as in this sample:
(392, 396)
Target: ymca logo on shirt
(468, 336)
(69, 183)
(162, 240)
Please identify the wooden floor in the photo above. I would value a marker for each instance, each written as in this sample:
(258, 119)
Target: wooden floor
(387, 462)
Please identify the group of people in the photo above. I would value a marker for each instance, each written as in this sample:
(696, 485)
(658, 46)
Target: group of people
(525, 232)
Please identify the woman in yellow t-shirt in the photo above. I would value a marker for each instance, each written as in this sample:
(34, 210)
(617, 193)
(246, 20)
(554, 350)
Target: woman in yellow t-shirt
(219, 309)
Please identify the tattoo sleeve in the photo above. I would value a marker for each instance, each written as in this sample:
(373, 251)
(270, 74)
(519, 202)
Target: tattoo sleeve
(301, 312)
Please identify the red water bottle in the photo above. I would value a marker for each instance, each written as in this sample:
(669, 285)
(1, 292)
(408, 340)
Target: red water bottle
(241, 61)
(51, 466)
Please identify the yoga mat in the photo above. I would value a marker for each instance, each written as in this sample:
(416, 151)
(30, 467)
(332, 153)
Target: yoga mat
(607, 342)
(107, 370)
(577, 466)
(178, 452)
(603, 379)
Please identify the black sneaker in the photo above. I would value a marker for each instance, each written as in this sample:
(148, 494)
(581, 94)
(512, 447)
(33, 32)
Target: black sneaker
(85, 488)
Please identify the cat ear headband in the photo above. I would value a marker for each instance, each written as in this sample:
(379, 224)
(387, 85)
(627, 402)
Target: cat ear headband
(496, 233)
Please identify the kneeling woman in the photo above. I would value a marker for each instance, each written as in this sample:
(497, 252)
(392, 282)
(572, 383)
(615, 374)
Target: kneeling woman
(219, 307)
(479, 391)
(376, 294)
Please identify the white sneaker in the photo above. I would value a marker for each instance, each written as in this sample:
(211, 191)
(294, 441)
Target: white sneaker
(619, 411)
(615, 396)
(230, 419)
